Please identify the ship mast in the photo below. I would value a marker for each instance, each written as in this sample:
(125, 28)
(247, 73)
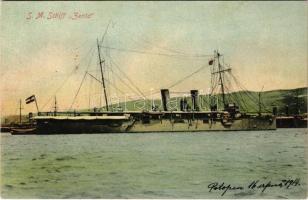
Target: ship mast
(220, 79)
(56, 108)
(103, 80)
(259, 103)
(220, 72)
(20, 111)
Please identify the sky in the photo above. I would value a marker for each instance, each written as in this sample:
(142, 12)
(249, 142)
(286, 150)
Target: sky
(265, 44)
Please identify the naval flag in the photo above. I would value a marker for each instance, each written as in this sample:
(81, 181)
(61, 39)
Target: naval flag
(30, 99)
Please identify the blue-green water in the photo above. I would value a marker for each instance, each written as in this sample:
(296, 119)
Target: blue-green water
(154, 165)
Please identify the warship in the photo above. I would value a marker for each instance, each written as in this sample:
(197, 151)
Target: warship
(187, 117)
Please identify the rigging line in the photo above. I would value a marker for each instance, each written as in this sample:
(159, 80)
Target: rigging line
(252, 103)
(149, 44)
(264, 106)
(227, 94)
(241, 102)
(113, 80)
(107, 76)
(131, 82)
(250, 95)
(105, 33)
(252, 100)
(226, 91)
(100, 88)
(204, 99)
(85, 56)
(235, 97)
(106, 81)
(164, 48)
(157, 54)
(110, 84)
(235, 93)
(90, 83)
(122, 81)
(90, 87)
(55, 92)
(84, 77)
(247, 94)
(63, 83)
(243, 88)
(58, 89)
(156, 91)
(186, 77)
(240, 99)
(214, 82)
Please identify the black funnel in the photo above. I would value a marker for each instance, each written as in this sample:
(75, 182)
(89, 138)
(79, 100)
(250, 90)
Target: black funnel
(165, 98)
(194, 99)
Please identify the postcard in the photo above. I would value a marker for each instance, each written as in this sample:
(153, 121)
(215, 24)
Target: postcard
(153, 100)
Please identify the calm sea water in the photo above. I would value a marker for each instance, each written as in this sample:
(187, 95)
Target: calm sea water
(154, 165)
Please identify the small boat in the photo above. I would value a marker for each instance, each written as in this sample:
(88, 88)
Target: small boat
(23, 131)
(5, 129)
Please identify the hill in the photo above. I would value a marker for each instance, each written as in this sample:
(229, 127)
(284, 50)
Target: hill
(248, 101)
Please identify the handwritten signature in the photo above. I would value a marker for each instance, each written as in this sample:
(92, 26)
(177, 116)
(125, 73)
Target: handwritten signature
(58, 15)
(254, 185)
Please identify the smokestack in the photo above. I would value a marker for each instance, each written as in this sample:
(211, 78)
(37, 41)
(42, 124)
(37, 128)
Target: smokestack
(183, 104)
(165, 98)
(194, 99)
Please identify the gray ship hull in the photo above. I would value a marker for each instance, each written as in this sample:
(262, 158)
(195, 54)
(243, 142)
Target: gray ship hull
(150, 123)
